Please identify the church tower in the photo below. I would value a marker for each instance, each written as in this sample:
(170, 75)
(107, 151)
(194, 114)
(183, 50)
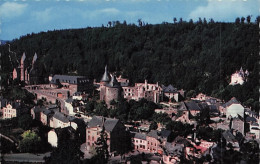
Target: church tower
(22, 67)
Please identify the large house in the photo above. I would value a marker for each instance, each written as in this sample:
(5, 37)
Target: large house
(232, 109)
(112, 127)
(11, 110)
(239, 77)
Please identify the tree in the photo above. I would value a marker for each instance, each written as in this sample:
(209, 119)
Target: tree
(174, 20)
(68, 150)
(153, 126)
(237, 21)
(248, 18)
(102, 147)
(30, 143)
(25, 121)
(242, 20)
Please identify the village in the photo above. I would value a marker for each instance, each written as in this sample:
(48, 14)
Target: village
(168, 127)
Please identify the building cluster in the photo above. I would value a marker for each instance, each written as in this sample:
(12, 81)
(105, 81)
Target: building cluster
(111, 88)
(239, 77)
(232, 117)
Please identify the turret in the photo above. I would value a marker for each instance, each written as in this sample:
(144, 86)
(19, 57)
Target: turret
(105, 77)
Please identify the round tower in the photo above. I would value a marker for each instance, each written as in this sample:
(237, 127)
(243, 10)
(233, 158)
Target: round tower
(112, 90)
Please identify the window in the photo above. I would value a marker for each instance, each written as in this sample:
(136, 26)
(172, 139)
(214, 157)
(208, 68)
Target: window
(88, 137)
(92, 137)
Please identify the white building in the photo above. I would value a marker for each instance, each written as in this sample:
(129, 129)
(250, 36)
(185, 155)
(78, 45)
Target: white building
(234, 110)
(239, 77)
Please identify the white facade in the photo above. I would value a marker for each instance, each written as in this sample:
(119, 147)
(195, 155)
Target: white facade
(53, 138)
(9, 112)
(69, 107)
(234, 110)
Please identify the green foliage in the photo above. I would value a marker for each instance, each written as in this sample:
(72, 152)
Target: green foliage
(68, 150)
(179, 129)
(102, 147)
(186, 54)
(31, 142)
(25, 121)
(153, 126)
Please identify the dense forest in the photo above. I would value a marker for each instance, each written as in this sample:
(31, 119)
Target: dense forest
(196, 56)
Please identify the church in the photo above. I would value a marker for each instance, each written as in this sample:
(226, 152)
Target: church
(29, 74)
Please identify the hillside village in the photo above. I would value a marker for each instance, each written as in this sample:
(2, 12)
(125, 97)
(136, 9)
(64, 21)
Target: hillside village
(139, 122)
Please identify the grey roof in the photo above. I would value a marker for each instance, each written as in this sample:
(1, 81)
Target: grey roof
(46, 111)
(38, 109)
(182, 107)
(68, 79)
(153, 134)
(173, 149)
(106, 76)
(165, 133)
(230, 102)
(61, 117)
(181, 140)
(169, 89)
(255, 124)
(69, 100)
(140, 136)
(250, 119)
(114, 83)
(191, 105)
(228, 136)
(97, 121)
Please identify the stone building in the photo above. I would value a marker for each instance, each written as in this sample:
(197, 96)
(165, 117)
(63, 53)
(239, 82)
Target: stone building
(11, 110)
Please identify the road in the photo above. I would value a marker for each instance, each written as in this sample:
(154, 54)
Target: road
(25, 157)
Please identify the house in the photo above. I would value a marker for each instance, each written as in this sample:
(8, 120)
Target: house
(140, 142)
(232, 109)
(230, 138)
(45, 116)
(255, 129)
(164, 135)
(59, 120)
(238, 125)
(113, 127)
(153, 142)
(170, 92)
(11, 110)
(36, 112)
(172, 153)
(68, 106)
(239, 77)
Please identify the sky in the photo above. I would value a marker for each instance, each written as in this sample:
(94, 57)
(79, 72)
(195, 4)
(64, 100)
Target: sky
(22, 17)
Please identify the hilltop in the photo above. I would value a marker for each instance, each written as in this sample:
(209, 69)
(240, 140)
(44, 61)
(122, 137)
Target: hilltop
(199, 56)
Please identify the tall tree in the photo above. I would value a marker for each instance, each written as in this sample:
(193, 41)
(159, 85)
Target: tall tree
(102, 147)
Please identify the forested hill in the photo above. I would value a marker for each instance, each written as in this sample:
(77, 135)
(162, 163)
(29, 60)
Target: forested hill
(198, 56)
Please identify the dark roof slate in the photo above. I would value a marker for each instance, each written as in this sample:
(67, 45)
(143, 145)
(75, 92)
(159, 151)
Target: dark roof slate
(61, 117)
(230, 102)
(97, 121)
(140, 136)
(67, 79)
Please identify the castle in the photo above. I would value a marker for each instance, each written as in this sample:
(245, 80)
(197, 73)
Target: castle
(22, 73)
(111, 89)
(239, 77)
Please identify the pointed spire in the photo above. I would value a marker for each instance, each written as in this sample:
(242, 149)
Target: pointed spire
(23, 57)
(106, 76)
(114, 82)
(34, 58)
